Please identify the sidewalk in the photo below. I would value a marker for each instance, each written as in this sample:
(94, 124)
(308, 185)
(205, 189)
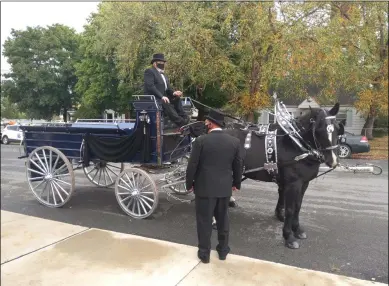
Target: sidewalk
(41, 252)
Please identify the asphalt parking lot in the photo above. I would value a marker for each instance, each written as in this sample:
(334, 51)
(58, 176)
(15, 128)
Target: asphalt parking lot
(345, 216)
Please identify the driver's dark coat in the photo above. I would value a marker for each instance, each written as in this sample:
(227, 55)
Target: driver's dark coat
(214, 165)
(154, 84)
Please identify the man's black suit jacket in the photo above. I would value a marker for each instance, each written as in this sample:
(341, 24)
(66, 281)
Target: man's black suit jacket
(154, 84)
(215, 165)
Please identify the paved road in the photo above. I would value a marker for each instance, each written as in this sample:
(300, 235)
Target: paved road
(345, 215)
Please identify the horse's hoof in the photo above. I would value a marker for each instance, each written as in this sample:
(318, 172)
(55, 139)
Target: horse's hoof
(232, 204)
(293, 244)
(214, 226)
(280, 215)
(300, 235)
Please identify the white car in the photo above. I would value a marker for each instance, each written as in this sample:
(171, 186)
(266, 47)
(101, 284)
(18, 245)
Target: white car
(11, 133)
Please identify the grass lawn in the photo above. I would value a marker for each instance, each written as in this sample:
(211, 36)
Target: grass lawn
(378, 149)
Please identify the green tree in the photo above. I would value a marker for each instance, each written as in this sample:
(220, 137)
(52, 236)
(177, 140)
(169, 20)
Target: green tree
(42, 69)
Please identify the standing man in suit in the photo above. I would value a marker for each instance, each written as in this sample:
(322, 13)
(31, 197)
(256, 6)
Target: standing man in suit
(214, 170)
(156, 83)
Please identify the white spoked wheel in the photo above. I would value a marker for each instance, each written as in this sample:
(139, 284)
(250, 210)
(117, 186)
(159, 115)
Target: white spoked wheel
(102, 173)
(178, 174)
(136, 193)
(50, 176)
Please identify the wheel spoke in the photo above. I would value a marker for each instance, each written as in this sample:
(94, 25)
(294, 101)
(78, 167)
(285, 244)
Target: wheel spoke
(114, 166)
(138, 206)
(105, 178)
(94, 168)
(52, 192)
(144, 187)
(133, 178)
(62, 175)
(32, 170)
(148, 193)
(47, 164)
(33, 188)
(150, 199)
(129, 202)
(146, 203)
(97, 170)
(99, 176)
(40, 161)
(126, 184)
(126, 198)
(123, 187)
(143, 207)
(36, 178)
(63, 182)
(32, 161)
(133, 206)
(62, 189)
(109, 169)
(129, 180)
(108, 175)
(56, 190)
(50, 160)
(59, 169)
(55, 164)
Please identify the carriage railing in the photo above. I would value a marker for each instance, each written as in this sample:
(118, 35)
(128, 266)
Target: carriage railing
(144, 97)
(99, 121)
(105, 122)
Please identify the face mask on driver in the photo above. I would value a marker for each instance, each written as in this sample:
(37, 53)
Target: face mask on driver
(161, 66)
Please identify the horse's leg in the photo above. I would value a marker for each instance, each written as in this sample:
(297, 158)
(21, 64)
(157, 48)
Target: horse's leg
(280, 208)
(291, 194)
(297, 229)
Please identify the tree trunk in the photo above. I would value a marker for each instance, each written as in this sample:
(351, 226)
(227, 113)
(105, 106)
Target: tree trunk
(199, 95)
(367, 129)
(65, 115)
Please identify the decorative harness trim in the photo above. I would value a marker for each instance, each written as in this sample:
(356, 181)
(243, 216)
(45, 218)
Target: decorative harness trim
(287, 124)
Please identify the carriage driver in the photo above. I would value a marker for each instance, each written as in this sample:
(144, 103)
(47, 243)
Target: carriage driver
(157, 83)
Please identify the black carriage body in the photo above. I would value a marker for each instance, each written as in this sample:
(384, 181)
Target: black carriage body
(164, 146)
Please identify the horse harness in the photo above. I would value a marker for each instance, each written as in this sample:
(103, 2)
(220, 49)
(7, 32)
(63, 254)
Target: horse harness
(288, 125)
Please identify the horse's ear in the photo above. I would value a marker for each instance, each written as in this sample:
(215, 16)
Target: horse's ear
(310, 109)
(334, 110)
(343, 122)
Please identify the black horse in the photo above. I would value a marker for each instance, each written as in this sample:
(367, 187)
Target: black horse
(319, 131)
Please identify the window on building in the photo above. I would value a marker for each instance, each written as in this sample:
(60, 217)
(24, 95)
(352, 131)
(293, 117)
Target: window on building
(342, 115)
(271, 118)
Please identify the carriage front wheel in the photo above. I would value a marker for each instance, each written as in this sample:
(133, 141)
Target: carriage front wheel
(50, 176)
(136, 193)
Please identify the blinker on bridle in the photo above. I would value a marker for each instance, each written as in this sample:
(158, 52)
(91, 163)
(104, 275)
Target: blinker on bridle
(330, 129)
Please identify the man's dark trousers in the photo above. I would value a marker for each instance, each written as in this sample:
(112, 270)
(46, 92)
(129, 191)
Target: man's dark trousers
(175, 112)
(206, 208)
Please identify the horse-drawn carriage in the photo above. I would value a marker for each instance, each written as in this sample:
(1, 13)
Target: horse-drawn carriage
(288, 153)
(101, 147)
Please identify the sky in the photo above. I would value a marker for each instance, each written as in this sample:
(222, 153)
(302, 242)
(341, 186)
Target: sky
(19, 15)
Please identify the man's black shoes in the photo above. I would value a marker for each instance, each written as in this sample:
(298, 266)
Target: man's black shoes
(203, 258)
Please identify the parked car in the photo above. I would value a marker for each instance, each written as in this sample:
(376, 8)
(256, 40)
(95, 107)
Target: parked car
(352, 144)
(11, 133)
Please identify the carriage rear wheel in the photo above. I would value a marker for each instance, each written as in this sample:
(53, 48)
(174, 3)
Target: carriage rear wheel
(102, 173)
(50, 176)
(136, 193)
(178, 175)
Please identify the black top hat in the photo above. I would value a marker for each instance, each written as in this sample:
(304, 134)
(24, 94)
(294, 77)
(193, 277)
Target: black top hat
(216, 117)
(158, 57)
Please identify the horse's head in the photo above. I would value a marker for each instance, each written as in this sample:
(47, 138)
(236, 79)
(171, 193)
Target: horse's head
(322, 130)
(326, 132)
